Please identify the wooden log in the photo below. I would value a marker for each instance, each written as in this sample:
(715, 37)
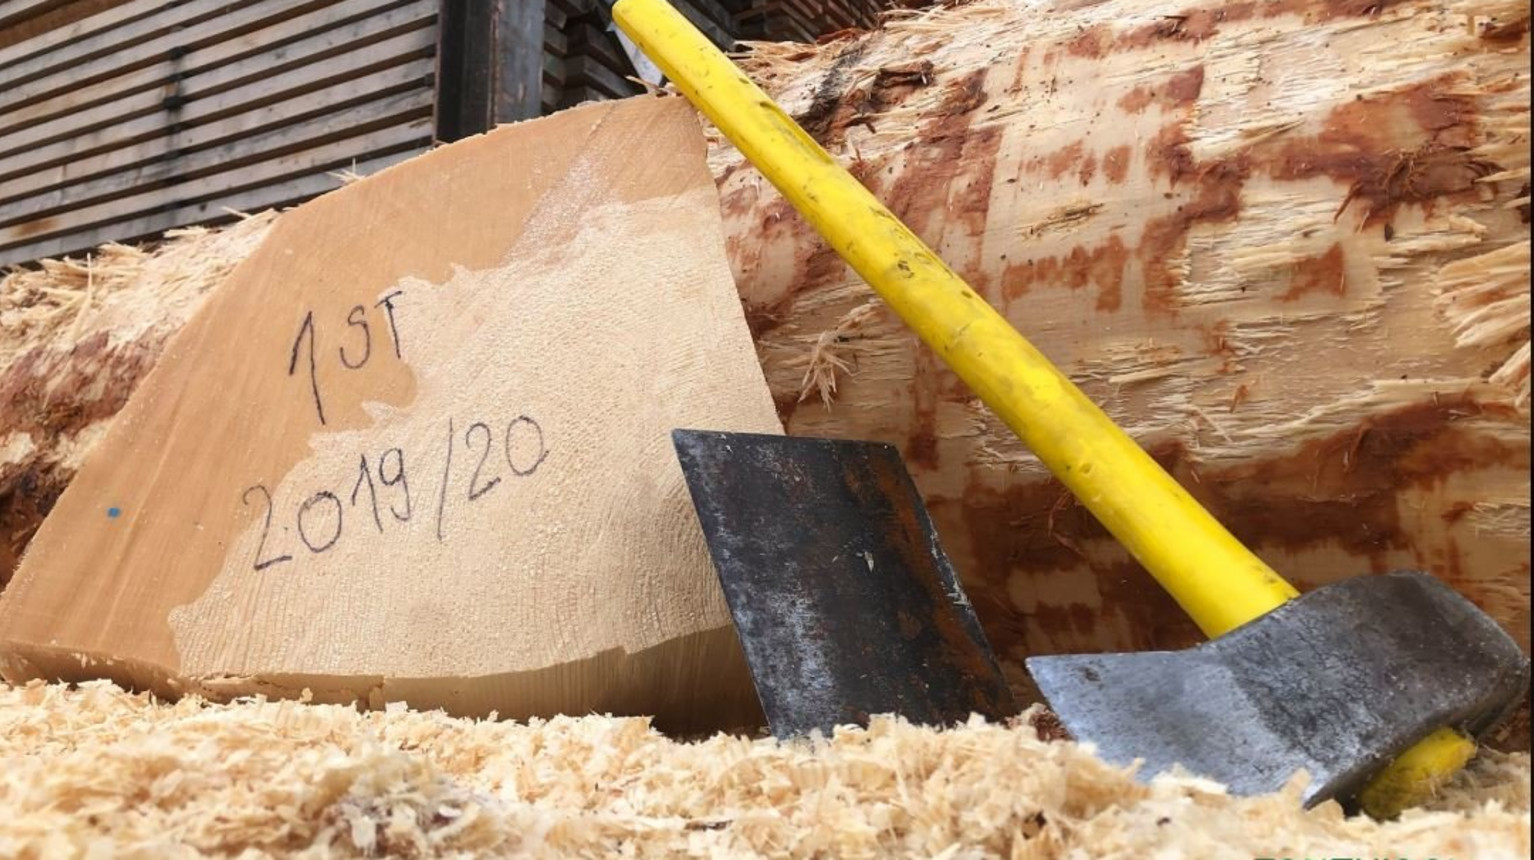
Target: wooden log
(377, 466)
(1284, 244)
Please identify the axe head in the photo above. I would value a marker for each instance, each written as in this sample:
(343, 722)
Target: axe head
(845, 603)
(1338, 682)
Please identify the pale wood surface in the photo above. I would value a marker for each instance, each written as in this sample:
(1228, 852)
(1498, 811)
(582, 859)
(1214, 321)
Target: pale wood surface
(555, 307)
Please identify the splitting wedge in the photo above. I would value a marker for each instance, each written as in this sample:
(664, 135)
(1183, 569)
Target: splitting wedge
(1377, 685)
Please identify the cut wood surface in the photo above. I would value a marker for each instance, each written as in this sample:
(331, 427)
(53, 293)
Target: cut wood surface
(1284, 244)
(417, 447)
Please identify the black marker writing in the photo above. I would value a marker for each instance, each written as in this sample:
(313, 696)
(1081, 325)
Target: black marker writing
(322, 495)
(525, 451)
(365, 476)
(388, 306)
(447, 470)
(475, 490)
(314, 380)
(543, 451)
(358, 317)
(266, 528)
(399, 478)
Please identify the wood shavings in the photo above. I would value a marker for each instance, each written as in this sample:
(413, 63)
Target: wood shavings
(60, 302)
(1486, 299)
(98, 772)
(825, 357)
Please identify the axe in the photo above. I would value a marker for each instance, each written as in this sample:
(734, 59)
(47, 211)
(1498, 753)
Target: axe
(1377, 686)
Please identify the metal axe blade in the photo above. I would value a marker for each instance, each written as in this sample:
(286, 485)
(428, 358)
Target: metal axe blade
(845, 603)
(1337, 682)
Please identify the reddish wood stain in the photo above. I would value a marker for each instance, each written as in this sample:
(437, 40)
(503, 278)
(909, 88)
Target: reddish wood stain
(1324, 274)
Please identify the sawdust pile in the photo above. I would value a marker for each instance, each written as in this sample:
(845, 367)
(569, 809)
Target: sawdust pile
(99, 772)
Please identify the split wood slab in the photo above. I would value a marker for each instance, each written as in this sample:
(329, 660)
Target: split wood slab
(417, 447)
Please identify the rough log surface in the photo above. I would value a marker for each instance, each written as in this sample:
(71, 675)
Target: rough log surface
(1285, 244)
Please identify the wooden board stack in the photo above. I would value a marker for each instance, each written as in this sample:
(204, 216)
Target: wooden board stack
(150, 115)
(807, 20)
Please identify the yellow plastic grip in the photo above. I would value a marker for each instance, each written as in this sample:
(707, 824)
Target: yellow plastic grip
(1217, 581)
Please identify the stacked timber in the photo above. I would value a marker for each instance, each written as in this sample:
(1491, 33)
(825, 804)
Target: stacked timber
(807, 20)
(583, 60)
(151, 115)
(1284, 244)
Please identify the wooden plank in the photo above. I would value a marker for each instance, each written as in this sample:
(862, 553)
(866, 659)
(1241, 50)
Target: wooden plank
(716, 32)
(210, 211)
(553, 71)
(708, 9)
(389, 54)
(348, 25)
(66, 72)
(402, 79)
(573, 8)
(323, 157)
(15, 11)
(175, 166)
(591, 72)
(110, 33)
(554, 16)
(554, 41)
(56, 37)
(463, 601)
(591, 40)
(518, 63)
(490, 65)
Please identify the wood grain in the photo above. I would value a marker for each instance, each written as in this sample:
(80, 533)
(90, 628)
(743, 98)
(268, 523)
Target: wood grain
(472, 494)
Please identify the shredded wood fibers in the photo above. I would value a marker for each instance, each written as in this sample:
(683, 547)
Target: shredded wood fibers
(98, 772)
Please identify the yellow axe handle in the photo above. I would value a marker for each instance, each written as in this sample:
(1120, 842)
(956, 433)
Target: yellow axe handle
(1218, 581)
